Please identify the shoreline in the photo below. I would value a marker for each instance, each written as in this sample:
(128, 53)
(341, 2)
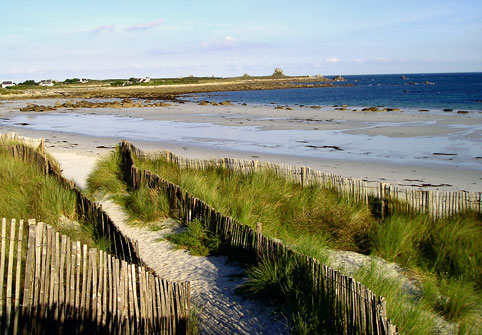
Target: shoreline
(403, 175)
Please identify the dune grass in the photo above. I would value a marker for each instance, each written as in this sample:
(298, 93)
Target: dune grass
(143, 205)
(444, 255)
(282, 206)
(27, 194)
(198, 240)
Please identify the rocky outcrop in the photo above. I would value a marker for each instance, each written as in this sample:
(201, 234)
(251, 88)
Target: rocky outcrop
(278, 72)
(125, 103)
(338, 78)
(371, 109)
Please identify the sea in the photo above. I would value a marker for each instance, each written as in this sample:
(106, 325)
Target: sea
(458, 91)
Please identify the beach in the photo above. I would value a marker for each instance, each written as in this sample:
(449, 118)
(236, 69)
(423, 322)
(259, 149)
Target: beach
(435, 150)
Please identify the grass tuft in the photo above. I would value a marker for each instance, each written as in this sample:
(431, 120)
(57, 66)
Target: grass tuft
(199, 240)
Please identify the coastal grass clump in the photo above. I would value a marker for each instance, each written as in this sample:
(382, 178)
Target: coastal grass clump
(287, 210)
(25, 193)
(198, 240)
(143, 205)
(448, 247)
(408, 311)
(287, 284)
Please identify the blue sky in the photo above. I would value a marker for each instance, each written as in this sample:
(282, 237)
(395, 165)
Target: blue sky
(118, 39)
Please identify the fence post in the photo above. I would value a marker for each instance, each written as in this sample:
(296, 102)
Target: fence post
(259, 234)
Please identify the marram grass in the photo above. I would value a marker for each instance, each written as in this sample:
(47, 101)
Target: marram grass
(27, 194)
(446, 252)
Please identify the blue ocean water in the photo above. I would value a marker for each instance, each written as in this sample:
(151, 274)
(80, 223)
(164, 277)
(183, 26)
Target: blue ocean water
(460, 91)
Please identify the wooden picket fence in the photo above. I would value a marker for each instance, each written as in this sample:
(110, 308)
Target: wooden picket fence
(438, 204)
(26, 149)
(52, 285)
(353, 308)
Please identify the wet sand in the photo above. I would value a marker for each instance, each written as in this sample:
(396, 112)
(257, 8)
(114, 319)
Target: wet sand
(408, 148)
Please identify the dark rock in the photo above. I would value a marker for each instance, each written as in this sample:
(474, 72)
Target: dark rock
(448, 110)
(462, 112)
(370, 109)
(334, 147)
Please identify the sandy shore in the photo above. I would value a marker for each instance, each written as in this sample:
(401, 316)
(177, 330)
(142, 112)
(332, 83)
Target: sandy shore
(409, 149)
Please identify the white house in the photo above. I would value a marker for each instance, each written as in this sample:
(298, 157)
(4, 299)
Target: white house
(46, 82)
(7, 83)
(83, 80)
(144, 80)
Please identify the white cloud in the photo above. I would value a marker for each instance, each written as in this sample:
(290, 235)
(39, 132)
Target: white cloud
(145, 26)
(332, 60)
(227, 43)
(358, 60)
(104, 29)
(380, 59)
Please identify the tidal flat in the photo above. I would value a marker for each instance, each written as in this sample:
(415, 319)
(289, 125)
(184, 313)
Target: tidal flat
(407, 148)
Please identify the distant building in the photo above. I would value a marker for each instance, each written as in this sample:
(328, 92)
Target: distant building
(7, 83)
(83, 80)
(46, 82)
(143, 80)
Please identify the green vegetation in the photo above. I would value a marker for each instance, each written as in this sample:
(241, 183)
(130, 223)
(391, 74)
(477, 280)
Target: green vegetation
(143, 205)
(288, 286)
(71, 81)
(288, 211)
(117, 83)
(28, 83)
(27, 194)
(410, 316)
(445, 255)
(199, 240)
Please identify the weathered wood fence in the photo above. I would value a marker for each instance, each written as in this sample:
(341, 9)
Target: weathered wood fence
(353, 308)
(52, 285)
(120, 245)
(435, 203)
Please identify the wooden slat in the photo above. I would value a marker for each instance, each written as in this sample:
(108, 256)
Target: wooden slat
(53, 268)
(100, 284)
(58, 274)
(2, 263)
(8, 295)
(93, 277)
(43, 270)
(29, 264)
(106, 291)
(67, 284)
(85, 273)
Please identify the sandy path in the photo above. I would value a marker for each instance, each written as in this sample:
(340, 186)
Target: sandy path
(213, 282)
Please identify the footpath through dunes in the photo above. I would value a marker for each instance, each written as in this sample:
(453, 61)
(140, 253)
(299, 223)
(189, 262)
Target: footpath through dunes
(213, 281)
